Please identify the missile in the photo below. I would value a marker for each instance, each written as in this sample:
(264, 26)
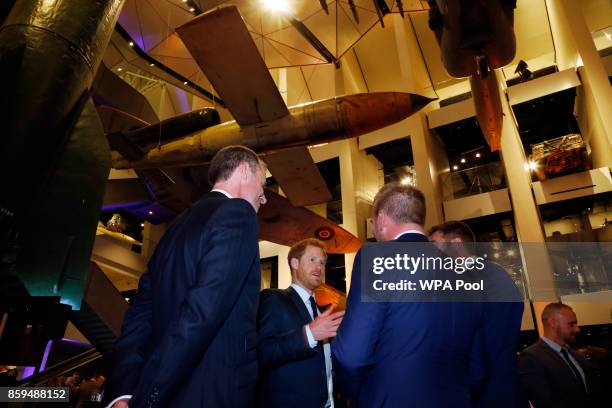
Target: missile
(55, 157)
(175, 127)
(312, 123)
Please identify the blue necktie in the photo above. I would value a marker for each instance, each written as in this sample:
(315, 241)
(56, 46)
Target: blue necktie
(313, 305)
(574, 369)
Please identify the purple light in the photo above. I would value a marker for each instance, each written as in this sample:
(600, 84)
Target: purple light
(43, 363)
(27, 372)
(76, 342)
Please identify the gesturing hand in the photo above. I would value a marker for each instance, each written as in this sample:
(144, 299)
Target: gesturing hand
(325, 325)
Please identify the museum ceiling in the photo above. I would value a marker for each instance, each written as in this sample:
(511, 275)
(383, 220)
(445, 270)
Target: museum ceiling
(307, 38)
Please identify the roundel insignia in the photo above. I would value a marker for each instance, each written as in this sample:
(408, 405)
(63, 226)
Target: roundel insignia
(324, 233)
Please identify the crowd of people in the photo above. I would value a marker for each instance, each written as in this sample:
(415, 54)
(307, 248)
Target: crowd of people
(200, 333)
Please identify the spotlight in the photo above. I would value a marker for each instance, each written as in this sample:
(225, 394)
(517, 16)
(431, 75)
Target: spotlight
(119, 69)
(462, 161)
(523, 72)
(151, 64)
(477, 155)
(150, 212)
(142, 224)
(191, 9)
(185, 83)
(455, 167)
(131, 43)
(277, 5)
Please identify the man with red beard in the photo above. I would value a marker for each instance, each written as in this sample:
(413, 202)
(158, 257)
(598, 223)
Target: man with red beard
(294, 353)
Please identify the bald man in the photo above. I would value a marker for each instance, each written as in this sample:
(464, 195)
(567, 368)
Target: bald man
(553, 375)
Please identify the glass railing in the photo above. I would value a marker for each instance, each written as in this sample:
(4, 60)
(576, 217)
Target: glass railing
(475, 180)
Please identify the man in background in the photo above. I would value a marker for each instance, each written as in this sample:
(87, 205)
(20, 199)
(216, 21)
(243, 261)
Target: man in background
(552, 375)
(396, 354)
(294, 334)
(493, 367)
(189, 339)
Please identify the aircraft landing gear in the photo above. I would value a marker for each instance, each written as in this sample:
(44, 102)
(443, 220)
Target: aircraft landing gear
(482, 64)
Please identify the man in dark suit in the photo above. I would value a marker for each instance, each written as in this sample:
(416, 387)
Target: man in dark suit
(395, 354)
(189, 339)
(294, 352)
(493, 367)
(552, 375)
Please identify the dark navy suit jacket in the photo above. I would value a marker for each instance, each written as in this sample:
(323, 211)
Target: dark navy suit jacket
(400, 354)
(548, 382)
(493, 367)
(292, 374)
(190, 338)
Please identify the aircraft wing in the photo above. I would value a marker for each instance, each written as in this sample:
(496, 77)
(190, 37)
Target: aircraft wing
(298, 176)
(282, 223)
(220, 43)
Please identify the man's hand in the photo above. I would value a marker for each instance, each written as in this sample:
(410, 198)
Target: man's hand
(121, 403)
(325, 325)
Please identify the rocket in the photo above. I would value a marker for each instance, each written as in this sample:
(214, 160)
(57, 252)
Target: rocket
(307, 124)
(55, 157)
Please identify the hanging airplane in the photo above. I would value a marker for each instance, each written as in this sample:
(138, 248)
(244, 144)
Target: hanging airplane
(232, 63)
(476, 37)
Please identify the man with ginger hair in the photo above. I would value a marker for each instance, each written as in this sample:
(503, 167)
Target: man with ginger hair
(294, 334)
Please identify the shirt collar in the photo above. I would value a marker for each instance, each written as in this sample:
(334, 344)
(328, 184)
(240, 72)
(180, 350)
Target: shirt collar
(225, 193)
(304, 295)
(408, 232)
(552, 344)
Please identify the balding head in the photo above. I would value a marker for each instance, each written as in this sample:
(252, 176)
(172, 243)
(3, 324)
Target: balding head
(560, 323)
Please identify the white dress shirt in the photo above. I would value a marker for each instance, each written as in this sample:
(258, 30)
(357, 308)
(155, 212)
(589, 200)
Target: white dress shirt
(409, 232)
(305, 296)
(225, 193)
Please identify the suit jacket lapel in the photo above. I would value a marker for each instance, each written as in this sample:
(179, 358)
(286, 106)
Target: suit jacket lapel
(299, 304)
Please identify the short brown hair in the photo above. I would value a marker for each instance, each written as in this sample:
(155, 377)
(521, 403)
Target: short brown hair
(455, 229)
(403, 203)
(228, 159)
(552, 309)
(298, 249)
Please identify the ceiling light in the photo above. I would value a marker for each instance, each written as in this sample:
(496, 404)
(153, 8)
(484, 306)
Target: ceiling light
(477, 155)
(150, 212)
(119, 69)
(185, 83)
(151, 64)
(455, 167)
(185, 1)
(462, 160)
(277, 5)
(131, 43)
(142, 224)
(191, 9)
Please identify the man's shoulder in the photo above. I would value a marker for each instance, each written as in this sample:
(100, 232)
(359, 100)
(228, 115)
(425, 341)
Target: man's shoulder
(536, 350)
(274, 293)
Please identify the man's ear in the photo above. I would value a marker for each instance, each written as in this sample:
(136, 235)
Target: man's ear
(294, 264)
